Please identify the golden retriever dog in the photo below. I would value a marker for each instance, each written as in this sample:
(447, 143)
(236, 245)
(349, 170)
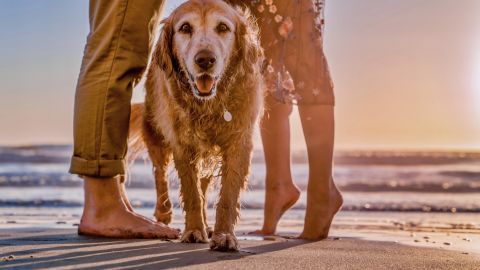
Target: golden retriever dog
(204, 95)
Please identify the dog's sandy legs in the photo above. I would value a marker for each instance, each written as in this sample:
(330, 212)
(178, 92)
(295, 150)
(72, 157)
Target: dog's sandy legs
(190, 191)
(204, 184)
(160, 155)
(163, 208)
(234, 175)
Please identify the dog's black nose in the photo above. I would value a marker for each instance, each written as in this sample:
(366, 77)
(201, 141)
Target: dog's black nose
(205, 59)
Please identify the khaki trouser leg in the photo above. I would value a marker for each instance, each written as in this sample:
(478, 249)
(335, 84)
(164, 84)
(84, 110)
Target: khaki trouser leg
(114, 59)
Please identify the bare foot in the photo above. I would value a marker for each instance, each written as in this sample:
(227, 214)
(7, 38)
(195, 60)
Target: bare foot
(106, 214)
(277, 201)
(121, 223)
(320, 213)
(123, 193)
(165, 218)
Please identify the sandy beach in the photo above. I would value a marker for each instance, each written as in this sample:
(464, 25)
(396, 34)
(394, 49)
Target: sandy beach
(63, 249)
(392, 87)
(358, 240)
(401, 211)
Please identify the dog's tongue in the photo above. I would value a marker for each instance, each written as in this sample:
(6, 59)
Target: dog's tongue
(205, 84)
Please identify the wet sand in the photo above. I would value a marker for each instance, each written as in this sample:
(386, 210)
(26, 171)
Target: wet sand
(63, 249)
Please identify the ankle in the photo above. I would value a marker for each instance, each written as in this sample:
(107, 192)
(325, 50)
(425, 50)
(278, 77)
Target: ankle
(102, 197)
(279, 184)
(324, 199)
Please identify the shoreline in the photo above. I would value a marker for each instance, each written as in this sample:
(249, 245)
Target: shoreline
(253, 199)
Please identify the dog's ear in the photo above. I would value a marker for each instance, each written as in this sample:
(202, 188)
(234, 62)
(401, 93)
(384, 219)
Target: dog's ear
(163, 55)
(248, 40)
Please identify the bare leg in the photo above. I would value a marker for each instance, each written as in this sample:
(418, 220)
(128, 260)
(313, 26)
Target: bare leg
(106, 214)
(323, 198)
(281, 193)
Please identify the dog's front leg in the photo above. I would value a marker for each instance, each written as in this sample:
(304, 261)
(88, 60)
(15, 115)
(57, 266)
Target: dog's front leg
(235, 169)
(191, 198)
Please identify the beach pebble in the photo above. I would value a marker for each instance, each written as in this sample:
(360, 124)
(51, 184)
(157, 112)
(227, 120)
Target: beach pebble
(269, 238)
(61, 222)
(416, 240)
(11, 222)
(426, 237)
(465, 253)
(447, 243)
(336, 238)
(467, 239)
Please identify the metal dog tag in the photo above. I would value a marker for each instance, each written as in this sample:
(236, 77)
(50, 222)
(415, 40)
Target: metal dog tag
(227, 116)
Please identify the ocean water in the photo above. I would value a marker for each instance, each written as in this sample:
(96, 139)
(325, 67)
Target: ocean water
(37, 177)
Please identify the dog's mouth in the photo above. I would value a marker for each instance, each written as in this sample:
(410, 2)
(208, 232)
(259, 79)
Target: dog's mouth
(204, 85)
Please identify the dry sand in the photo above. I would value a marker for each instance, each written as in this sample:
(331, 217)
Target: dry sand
(63, 249)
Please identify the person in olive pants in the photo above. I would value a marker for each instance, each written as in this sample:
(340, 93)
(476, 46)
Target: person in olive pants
(115, 58)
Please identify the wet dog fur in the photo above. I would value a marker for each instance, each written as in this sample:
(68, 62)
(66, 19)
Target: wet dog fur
(186, 123)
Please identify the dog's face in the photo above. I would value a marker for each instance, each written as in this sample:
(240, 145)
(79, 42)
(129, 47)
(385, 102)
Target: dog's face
(203, 42)
(200, 38)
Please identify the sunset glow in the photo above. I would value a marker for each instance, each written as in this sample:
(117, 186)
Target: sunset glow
(476, 81)
(405, 74)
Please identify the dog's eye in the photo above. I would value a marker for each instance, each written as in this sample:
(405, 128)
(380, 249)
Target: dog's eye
(186, 28)
(222, 28)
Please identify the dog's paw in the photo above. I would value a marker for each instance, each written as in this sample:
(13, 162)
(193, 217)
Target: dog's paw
(194, 236)
(162, 216)
(224, 242)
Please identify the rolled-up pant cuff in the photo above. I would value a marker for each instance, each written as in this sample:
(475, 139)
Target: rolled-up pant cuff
(97, 168)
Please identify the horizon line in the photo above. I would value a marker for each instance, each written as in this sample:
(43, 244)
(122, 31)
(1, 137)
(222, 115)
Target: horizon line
(365, 148)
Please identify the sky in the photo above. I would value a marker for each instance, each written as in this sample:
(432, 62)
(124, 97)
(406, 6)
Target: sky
(406, 73)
